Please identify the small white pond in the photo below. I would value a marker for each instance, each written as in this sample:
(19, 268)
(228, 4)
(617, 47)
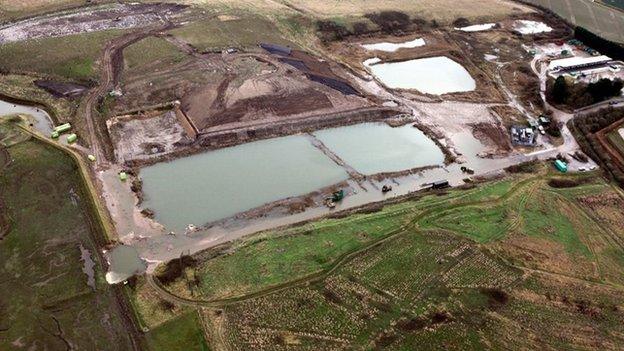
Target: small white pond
(392, 47)
(530, 27)
(372, 148)
(433, 75)
(477, 27)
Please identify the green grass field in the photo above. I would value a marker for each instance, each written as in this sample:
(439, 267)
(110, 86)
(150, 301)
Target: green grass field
(71, 57)
(150, 53)
(45, 296)
(605, 21)
(508, 264)
(241, 32)
(184, 333)
(15, 9)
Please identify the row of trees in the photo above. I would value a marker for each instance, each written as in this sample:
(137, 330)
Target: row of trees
(576, 95)
(607, 47)
(584, 129)
(388, 22)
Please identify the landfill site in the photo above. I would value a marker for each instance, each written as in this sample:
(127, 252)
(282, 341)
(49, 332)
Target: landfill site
(202, 128)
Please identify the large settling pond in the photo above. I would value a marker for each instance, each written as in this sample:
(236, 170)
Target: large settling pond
(218, 184)
(372, 148)
(433, 75)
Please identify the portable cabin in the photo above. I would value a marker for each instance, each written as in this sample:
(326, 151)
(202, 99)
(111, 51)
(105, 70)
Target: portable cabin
(123, 176)
(91, 158)
(54, 135)
(72, 138)
(561, 166)
(62, 128)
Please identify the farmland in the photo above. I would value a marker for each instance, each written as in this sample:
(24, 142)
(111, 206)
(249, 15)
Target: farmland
(47, 297)
(429, 9)
(69, 57)
(603, 20)
(429, 270)
(616, 138)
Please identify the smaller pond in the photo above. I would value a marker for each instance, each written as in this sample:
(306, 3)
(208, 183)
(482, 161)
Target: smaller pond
(530, 27)
(477, 27)
(392, 47)
(372, 148)
(124, 262)
(41, 120)
(432, 75)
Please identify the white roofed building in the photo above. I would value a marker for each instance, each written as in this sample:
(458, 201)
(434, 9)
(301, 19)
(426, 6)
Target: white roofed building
(577, 63)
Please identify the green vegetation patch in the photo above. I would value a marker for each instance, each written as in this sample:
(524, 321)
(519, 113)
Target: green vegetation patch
(216, 34)
(552, 218)
(616, 139)
(389, 297)
(482, 224)
(22, 87)
(151, 52)
(151, 310)
(266, 261)
(71, 56)
(184, 333)
(43, 287)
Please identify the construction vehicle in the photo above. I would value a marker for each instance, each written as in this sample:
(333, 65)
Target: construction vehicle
(386, 188)
(338, 195)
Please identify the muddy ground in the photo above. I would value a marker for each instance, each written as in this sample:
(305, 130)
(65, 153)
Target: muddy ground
(146, 135)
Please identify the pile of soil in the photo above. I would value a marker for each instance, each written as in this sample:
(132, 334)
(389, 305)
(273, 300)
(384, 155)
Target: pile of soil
(61, 89)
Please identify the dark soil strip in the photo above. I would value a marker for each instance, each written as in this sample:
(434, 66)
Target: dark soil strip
(5, 226)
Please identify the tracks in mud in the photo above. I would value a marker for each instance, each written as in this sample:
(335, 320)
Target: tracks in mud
(111, 63)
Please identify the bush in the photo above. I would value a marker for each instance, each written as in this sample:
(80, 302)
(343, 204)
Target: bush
(461, 22)
(390, 21)
(173, 269)
(525, 167)
(577, 95)
(331, 31)
(566, 182)
(360, 28)
(605, 46)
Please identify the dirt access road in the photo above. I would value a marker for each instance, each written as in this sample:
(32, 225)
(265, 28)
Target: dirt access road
(110, 65)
